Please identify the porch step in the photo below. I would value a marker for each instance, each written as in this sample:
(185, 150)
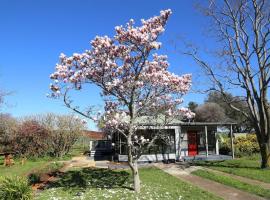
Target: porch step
(100, 155)
(209, 158)
(92, 153)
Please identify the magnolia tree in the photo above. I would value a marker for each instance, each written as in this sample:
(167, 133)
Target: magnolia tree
(135, 82)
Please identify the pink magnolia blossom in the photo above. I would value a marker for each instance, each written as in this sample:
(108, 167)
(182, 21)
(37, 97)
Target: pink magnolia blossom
(134, 79)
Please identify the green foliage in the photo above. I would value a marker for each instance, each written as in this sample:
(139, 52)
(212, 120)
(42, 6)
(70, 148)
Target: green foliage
(33, 178)
(15, 188)
(243, 145)
(254, 189)
(224, 145)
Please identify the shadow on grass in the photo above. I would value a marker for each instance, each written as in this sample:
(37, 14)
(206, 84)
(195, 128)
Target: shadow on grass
(92, 178)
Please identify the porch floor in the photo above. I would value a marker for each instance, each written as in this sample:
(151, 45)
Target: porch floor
(209, 158)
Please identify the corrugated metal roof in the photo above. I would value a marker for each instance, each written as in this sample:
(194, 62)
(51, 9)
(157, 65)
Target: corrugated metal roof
(161, 120)
(94, 135)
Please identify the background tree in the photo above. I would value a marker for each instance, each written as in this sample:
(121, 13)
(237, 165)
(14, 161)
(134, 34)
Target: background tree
(132, 80)
(243, 124)
(243, 31)
(210, 112)
(1, 97)
(8, 130)
(3, 94)
(40, 135)
(64, 130)
(8, 127)
(192, 106)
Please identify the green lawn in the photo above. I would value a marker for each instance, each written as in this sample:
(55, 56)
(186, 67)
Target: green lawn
(247, 167)
(106, 184)
(21, 170)
(41, 165)
(254, 189)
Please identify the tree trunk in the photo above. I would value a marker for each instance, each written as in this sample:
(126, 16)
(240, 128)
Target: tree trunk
(134, 168)
(265, 154)
(264, 144)
(136, 177)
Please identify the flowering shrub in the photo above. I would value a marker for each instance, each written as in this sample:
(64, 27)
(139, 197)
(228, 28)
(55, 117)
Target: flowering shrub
(246, 145)
(243, 145)
(32, 139)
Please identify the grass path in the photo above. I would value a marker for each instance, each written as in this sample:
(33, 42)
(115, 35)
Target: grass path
(245, 167)
(218, 188)
(232, 182)
(242, 179)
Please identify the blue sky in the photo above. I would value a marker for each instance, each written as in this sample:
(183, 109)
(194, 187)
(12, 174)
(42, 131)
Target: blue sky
(34, 32)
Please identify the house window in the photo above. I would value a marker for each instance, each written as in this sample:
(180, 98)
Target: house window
(201, 140)
(163, 143)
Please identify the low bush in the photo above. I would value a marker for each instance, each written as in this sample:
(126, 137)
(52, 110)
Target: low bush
(224, 145)
(15, 188)
(35, 176)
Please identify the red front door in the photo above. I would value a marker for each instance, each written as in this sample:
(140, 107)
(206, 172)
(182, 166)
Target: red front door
(192, 143)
